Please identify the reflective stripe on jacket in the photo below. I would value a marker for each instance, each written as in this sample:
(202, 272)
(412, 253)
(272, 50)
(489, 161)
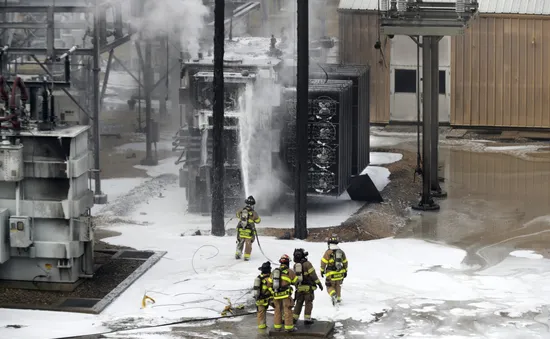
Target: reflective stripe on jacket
(328, 265)
(287, 280)
(265, 291)
(245, 233)
(310, 279)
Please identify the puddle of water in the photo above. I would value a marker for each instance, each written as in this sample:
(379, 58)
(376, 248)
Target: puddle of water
(495, 201)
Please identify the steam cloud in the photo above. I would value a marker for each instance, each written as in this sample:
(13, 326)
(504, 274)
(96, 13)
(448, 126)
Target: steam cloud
(184, 16)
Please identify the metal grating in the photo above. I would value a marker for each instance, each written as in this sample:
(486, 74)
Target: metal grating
(135, 255)
(79, 303)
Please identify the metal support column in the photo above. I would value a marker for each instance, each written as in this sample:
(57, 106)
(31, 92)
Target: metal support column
(302, 87)
(163, 94)
(106, 77)
(150, 159)
(50, 38)
(218, 177)
(99, 197)
(437, 192)
(426, 202)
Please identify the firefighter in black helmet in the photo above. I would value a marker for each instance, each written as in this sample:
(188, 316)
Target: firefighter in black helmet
(246, 229)
(262, 294)
(306, 285)
(334, 265)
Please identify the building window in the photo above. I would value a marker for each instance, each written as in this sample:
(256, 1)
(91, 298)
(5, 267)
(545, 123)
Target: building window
(442, 82)
(405, 81)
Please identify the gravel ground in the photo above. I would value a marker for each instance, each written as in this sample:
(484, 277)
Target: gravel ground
(106, 279)
(375, 221)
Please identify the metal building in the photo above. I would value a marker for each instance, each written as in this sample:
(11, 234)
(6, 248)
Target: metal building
(492, 76)
(501, 75)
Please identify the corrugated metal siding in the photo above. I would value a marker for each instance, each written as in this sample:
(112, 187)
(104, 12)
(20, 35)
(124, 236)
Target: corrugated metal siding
(540, 7)
(529, 7)
(358, 34)
(500, 74)
(367, 5)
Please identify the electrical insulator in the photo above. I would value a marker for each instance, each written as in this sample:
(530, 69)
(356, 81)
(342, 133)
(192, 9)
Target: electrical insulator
(401, 5)
(461, 6)
(384, 5)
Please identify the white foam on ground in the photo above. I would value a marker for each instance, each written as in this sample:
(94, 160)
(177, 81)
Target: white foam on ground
(526, 254)
(383, 158)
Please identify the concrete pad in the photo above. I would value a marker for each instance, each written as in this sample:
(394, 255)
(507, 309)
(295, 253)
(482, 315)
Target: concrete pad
(319, 329)
(109, 298)
(96, 305)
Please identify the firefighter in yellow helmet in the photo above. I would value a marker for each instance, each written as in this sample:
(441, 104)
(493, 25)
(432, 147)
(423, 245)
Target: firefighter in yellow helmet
(307, 284)
(262, 293)
(280, 282)
(246, 229)
(334, 265)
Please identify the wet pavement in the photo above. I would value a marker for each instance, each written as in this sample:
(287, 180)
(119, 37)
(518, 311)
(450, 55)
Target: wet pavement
(496, 203)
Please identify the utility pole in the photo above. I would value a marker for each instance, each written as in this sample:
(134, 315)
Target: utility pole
(99, 197)
(148, 79)
(218, 201)
(302, 108)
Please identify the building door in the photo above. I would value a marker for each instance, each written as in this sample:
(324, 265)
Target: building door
(403, 102)
(403, 94)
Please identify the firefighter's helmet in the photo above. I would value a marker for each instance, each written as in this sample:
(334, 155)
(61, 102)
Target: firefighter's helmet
(300, 254)
(333, 239)
(285, 260)
(250, 201)
(265, 268)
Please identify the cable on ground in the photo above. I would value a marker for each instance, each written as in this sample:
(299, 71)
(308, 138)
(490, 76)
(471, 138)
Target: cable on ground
(162, 325)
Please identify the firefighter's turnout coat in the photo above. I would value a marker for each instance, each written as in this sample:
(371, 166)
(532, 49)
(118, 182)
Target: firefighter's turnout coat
(328, 264)
(282, 297)
(263, 300)
(247, 232)
(334, 275)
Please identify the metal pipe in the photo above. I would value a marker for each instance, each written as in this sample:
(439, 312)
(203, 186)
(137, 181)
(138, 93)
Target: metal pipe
(62, 88)
(302, 111)
(52, 109)
(426, 202)
(45, 108)
(148, 79)
(436, 189)
(17, 198)
(106, 77)
(67, 69)
(218, 203)
(96, 105)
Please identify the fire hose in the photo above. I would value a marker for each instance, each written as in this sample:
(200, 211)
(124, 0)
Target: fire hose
(260, 247)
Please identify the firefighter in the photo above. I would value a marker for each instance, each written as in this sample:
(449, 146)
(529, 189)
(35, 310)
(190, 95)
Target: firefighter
(246, 229)
(306, 285)
(280, 283)
(335, 266)
(262, 293)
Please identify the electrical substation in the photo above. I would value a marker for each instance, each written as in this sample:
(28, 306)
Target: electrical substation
(426, 23)
(338, 125)
(50, 135)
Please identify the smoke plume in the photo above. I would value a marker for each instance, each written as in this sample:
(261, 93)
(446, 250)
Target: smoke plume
(187, 17)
